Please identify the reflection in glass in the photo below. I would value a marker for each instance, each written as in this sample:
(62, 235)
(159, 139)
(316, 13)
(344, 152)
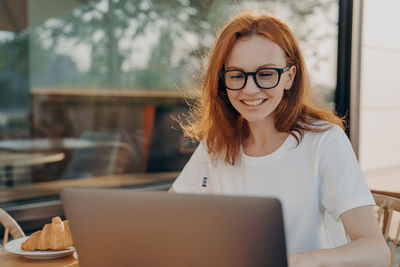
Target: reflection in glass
(101, 82)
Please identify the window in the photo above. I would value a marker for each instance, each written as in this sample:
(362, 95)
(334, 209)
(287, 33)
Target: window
(89, 89)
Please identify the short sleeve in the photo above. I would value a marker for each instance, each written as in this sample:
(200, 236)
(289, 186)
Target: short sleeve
(342, 185)
(191, 177)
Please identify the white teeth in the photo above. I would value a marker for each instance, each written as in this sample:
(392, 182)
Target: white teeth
(253, 103)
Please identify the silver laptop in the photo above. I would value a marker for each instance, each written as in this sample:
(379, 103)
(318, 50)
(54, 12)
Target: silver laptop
(119, 227)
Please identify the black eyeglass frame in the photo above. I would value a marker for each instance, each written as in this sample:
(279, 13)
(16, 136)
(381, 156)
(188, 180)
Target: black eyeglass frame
(254, 74)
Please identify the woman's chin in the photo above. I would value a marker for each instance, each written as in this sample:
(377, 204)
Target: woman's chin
(257, 119)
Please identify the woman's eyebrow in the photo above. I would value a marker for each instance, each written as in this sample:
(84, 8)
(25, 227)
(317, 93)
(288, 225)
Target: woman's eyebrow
(233, 68)
(268, 65)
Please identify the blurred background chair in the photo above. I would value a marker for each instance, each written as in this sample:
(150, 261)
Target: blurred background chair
(11, 227)
(388, 214)
(97, 160)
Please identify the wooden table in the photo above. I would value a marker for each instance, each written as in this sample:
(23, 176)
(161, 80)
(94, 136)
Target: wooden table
(52, 188)
(46, 144)
(9, 160)
(384, 181)
(17, 159)
(8, 259)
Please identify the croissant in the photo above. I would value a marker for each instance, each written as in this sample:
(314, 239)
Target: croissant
(56, 236)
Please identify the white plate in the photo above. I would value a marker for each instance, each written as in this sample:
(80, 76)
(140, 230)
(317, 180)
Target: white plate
(76, 256)
(14, 246)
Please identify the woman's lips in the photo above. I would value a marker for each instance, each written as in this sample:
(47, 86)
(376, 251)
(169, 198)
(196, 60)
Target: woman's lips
(254, 103)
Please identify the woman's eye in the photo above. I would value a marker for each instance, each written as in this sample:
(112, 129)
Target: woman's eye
(236, 76)
(264, 74)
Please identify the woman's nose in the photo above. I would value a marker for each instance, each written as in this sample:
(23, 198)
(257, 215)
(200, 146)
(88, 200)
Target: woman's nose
(251, 86)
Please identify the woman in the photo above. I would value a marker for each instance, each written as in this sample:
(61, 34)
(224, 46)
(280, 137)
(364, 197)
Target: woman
(260, 136)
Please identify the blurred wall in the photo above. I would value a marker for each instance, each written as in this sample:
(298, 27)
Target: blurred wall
(380, 85)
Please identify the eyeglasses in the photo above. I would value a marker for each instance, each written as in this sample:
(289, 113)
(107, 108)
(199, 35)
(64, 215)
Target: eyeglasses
(266, 78)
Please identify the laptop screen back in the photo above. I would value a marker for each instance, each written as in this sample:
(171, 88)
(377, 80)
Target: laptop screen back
(114, 227)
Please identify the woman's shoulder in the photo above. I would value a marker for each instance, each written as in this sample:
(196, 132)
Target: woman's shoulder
(201, 149)
(323, 130)
(329, 137)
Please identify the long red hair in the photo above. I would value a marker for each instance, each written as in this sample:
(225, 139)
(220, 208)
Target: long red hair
(214, 118)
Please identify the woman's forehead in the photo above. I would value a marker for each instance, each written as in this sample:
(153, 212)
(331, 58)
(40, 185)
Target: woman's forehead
(255, 51)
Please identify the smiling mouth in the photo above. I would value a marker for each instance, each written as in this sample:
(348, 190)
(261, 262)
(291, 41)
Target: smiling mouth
(254, 102)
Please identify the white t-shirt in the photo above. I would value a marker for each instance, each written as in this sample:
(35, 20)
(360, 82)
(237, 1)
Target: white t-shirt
(316, 182)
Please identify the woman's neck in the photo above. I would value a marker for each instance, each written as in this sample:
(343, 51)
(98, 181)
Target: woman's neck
(264, 139)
